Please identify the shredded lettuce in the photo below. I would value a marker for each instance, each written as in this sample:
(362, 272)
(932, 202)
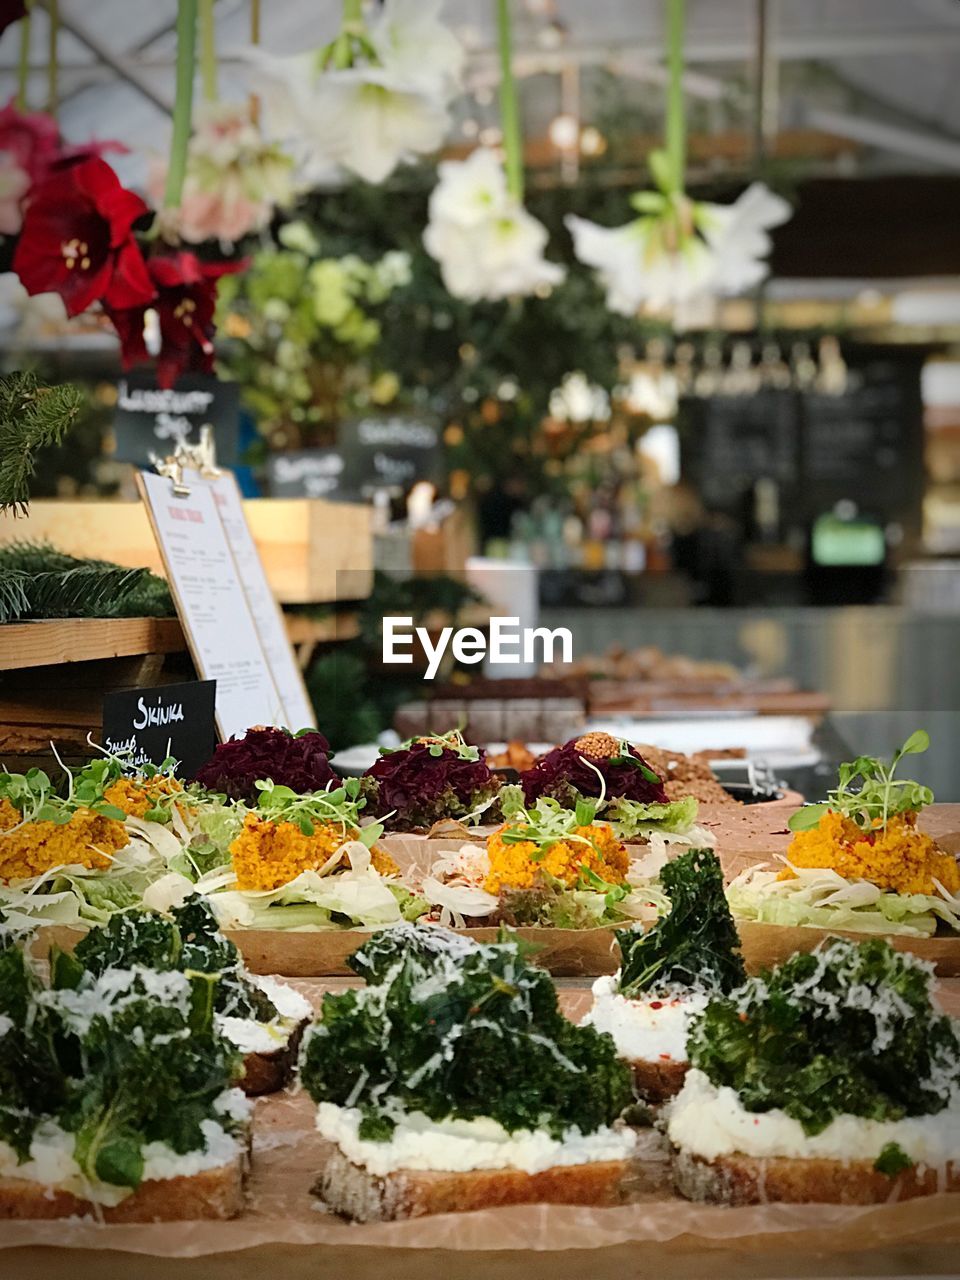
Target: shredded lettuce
(820, 898)
(630, 818)
(355, 897)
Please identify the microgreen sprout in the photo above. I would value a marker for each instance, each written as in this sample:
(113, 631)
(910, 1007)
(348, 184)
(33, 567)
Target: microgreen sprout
(867, 792)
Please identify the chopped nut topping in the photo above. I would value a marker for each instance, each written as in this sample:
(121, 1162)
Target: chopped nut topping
(599, 746)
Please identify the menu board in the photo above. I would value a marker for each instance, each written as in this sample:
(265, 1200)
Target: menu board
(152, 420)
(863, 443)
(390, 452)
(729, 442)
(212, 604)
(867, 444)
(307, 473)
(267, 618)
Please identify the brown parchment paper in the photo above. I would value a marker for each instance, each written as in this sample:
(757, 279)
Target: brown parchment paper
(281, 1213)
(287, 1155)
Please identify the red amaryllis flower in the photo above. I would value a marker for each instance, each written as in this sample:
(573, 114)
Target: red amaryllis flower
(11, 11)
(186, 295)
(30, 138)
(77, 240)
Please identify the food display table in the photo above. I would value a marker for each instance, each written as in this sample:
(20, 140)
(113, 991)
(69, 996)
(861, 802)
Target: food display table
(286, 1232)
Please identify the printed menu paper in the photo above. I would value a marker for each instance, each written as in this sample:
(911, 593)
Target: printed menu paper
(298, 711)
(212, 604)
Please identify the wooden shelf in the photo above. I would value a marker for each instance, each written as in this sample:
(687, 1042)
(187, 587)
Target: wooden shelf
(313, 551)
(25, 645)
(49, 643)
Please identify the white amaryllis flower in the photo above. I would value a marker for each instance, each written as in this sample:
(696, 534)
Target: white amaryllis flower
(488, 246)
(644, 264)
(388, 107)
(411, 40)
(737, 235)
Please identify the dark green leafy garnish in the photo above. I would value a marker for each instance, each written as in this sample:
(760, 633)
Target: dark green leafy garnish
(188, 940)
(696, 944)
(849, 1029)
(867, 792)
(892, 1160)
(453, 1028)
(119, 1059)
(342, 805)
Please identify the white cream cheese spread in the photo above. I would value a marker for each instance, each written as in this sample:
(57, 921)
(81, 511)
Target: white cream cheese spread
(646, 1030)
(463, 1145)
(708, 1121)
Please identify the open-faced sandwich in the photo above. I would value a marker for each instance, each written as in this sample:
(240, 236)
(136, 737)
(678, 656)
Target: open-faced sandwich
(428, 780)
(263, 1018)
(831, 1078)
(612, 773)
(545, 866)
(116, 1095)
(668, 974)
(452, 1081)
(298, 862)
(299, 761)
(858, 861)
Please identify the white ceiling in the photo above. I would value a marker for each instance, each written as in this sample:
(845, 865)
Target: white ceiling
(843, 64)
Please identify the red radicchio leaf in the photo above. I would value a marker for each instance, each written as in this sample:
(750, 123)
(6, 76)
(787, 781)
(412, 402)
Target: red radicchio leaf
(563, 768)
(299, 762)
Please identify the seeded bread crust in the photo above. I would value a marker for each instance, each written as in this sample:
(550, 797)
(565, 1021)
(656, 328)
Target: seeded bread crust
(658, 1082)
(352, 1192)
(271, 1072)
(213, 1193)
(740, 1180)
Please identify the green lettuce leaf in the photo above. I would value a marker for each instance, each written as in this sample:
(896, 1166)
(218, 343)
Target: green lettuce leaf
(819, 898)
(630, 818)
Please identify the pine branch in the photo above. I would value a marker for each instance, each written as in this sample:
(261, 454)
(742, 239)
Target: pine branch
(32, 417)
(37, 581)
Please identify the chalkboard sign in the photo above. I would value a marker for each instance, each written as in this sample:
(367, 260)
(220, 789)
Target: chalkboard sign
(390, 453)
(867, 443)
(729, 442)
(151, 420)
(147, 725)
(864, 443)
(308, 473)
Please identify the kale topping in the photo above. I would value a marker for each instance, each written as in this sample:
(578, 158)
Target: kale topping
(696, 944)
(848, 1029)
(120, 1059)
(892, 1160)
(188, 940)
(451, 1027)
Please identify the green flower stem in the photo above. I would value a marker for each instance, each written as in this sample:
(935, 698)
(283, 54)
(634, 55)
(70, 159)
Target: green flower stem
(509, 110)
(23, 70)
(676, 140)
(183, 104)
(353, 12)
(53, 64)
(208, 52)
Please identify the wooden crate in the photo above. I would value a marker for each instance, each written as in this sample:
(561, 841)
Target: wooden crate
(313, 551)
(53, 675)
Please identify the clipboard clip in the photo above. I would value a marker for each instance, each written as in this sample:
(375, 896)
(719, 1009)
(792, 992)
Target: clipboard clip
(201, 457)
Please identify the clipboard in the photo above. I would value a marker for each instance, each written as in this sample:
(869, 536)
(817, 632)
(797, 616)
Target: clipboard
(231, 620)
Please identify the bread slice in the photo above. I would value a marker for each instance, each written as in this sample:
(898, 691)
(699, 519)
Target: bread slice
(738, 1180)
(360, 1196)
(212, 1193)
(271, 1072)
(658, 1082)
